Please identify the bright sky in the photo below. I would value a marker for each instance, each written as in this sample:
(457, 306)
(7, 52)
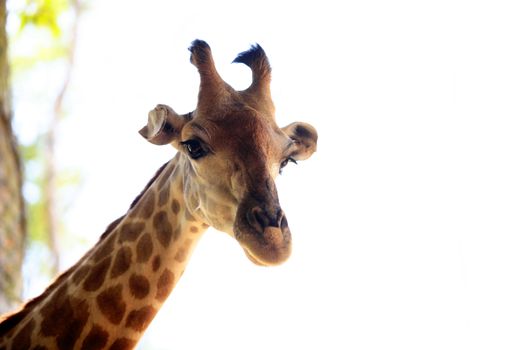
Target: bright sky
(408, 223)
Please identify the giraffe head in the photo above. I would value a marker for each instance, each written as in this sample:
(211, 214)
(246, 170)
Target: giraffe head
(233, 151)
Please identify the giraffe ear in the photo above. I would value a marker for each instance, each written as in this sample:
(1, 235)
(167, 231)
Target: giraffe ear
(164, 125)
(305, 137)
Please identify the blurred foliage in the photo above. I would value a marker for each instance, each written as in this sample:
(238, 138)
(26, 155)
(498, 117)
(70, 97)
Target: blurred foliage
(43, 54)
(44, 14)
(68, 179)
(41, 17)
(44, 29)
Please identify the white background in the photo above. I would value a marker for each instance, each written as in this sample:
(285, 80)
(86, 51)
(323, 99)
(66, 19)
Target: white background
(408, 223)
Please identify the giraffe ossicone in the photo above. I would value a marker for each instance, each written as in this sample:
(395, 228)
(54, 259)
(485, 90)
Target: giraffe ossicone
(230, 152)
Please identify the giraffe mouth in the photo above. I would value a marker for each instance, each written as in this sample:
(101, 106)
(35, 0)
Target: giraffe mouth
(252, 258)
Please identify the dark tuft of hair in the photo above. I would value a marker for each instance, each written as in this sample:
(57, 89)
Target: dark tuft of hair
(198, 44)
(199, 51)
(255, 54)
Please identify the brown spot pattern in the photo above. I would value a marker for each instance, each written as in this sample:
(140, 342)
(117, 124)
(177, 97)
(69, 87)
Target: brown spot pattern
(164, 194)
(97, 275)
(131, 231)
(67, 339)
(176, 233)
(53, 311)
(111, 227)
(96, 339)
(122, 262)
(194, 229)
(165, 285)
(122, 344)
(156, 263)
(144, 248)
(163, 229)
(138, 286)
(64, 318)
(175, 206)
(111, 304)
(105, 248)
(139, 319)
(147, 205)
(181, 255)
(80, 274)
(22, 339)
(182, 252)
(166, 174)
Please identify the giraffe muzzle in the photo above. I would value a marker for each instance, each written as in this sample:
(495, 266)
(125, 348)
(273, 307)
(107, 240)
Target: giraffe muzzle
(262, 230)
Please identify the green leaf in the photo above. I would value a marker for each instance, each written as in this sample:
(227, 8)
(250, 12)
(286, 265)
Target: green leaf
(44, 14)
(29, 152)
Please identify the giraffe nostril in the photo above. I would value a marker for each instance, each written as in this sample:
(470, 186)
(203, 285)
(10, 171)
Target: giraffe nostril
(256, 218)
(277, 219)
(283, 222)
(260, 219)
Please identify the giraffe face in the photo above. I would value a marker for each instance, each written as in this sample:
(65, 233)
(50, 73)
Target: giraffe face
(233, 164)
(233, 150)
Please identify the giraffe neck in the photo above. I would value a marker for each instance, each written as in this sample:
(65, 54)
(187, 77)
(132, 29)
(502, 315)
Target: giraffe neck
(111, 295)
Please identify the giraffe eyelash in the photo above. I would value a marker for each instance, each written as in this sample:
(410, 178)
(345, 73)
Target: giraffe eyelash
(285, 163)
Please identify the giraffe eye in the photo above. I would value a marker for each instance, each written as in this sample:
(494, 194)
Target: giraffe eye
(194, 148)
(285, 163)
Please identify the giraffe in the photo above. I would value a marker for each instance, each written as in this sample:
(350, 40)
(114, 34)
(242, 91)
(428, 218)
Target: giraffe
(230, 150)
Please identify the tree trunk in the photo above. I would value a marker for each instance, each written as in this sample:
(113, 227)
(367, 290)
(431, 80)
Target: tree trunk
(12, 218)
